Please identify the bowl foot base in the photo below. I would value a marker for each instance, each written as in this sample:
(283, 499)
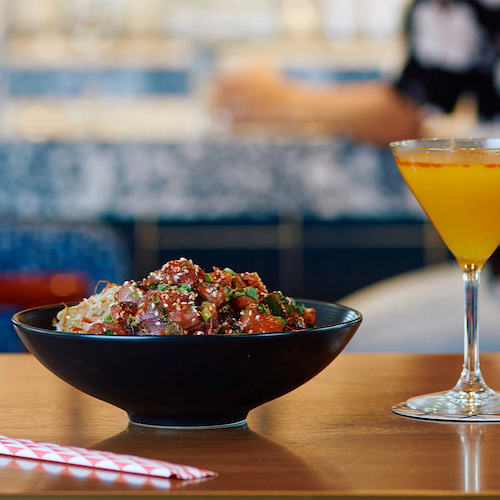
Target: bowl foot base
(191, 427)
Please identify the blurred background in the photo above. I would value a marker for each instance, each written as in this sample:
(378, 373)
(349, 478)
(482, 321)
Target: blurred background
(113, 160)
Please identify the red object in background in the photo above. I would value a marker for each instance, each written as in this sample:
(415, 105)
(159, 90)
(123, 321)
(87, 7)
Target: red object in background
(32, 289)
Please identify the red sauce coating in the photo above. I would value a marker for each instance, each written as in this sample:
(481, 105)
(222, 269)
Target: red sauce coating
(181, 298)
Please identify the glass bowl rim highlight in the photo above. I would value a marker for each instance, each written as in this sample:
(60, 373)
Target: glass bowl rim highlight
(448, 144)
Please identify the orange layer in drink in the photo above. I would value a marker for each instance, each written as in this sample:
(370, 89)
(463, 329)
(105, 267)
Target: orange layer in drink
(463, 202)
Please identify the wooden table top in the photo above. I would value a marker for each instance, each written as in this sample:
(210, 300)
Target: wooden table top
(333, 437)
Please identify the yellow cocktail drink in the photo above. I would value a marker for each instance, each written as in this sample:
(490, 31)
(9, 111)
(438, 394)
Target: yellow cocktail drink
(461, 199)
(457, 183)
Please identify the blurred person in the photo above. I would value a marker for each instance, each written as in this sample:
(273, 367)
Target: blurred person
(453, 50)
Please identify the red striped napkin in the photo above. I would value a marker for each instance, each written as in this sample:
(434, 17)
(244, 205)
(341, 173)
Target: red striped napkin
(95, 459)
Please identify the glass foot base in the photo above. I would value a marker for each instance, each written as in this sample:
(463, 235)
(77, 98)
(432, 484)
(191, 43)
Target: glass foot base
(453, 405)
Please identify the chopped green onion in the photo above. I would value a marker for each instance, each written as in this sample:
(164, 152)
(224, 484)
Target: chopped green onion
(252, 292)
(208, 278)
(158, 285)
(108, 318)
(174, 329)
(207, 311)
(229, 270)
(184, 287)
(131, 321)
(263, 308)
(274, 304)
(300, 308)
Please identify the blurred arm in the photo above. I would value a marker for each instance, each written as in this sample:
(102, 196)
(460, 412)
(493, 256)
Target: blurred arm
(367, 111)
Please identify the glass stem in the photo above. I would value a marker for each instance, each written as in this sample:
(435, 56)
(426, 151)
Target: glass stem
(471, 379)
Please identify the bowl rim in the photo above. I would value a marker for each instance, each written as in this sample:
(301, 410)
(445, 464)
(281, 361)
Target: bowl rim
(148, 338)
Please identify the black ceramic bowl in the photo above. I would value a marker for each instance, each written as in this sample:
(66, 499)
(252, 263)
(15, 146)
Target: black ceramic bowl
(187, 381)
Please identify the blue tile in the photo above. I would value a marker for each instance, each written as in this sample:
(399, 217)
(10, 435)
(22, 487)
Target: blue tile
(73, 83)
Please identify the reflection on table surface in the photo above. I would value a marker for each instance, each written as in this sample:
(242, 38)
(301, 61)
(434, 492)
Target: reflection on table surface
(333, 436)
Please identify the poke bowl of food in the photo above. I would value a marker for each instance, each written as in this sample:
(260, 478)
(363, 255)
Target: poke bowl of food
(185, 347)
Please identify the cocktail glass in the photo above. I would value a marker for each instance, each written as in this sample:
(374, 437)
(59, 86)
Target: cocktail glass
(457, 183)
